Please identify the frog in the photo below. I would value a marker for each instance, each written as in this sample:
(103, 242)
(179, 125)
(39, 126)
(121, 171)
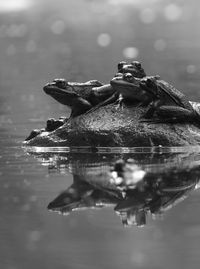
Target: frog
(168, 103)
(53, 124)
(135, 68)
(80, 97)
(162, 100)
(129, 89)
(88, 96)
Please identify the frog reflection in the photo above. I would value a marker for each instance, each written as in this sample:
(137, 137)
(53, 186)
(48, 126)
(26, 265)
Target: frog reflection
(134, 191)
(154, 194)
(82, 195)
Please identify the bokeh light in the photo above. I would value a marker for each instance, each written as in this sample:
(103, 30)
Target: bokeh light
(147, 15)
(13, 5)
(130, 52)
(11, 50)
(31, 46)
(160, 45)
(104, 40)
(16, 30)
(191, 69)
(58, 27)
(3, 29)
(173, 12)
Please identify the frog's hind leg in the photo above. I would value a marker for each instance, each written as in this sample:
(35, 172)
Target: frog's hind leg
(110, 100)
(172, 114)
(180, 114)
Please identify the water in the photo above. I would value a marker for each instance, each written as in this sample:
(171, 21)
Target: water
(104, 230)
(152, 219)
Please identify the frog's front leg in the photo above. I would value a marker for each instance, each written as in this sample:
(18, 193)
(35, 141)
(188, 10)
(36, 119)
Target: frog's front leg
(119, 101)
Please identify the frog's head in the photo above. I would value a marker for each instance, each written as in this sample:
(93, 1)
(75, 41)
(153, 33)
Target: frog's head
(135, 68)
(60, 91)
(129, 87)
(150, 86)
(125, 83)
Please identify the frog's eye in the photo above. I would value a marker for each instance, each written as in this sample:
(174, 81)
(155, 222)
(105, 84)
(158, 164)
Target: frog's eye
(128, 77)
(60, 83)
(120, 65)
(118, 75)
(137, 64)
(150, 81)
(50, 121)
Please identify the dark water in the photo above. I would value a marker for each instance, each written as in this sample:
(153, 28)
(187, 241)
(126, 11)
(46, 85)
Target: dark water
(159, 226)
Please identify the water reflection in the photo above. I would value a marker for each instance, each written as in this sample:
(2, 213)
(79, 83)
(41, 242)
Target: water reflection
(136, 185)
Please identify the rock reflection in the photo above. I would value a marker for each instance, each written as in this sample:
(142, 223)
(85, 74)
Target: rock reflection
(137, 186)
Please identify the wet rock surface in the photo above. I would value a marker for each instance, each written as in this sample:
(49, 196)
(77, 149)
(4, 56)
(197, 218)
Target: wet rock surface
(114, 126)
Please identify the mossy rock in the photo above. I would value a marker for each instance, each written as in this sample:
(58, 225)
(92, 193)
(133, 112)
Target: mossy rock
(114, 126)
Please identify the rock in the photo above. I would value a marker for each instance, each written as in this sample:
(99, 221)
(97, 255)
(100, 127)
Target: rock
(114, 126)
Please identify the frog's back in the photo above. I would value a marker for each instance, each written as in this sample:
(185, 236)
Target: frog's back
(84, 89)
(175, 95)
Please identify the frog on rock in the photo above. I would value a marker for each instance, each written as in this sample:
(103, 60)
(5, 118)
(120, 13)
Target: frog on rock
(82, 97)
(162, 99)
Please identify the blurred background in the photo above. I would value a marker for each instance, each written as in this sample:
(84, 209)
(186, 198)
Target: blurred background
(82, 40)
(85, 39)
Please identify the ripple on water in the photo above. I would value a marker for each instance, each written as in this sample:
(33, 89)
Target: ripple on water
(158, 149)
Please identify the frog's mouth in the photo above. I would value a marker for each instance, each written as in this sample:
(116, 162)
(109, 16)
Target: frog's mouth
(58, 86)
(131, 91)
(120, 85)
(51, 88)
(63, 96)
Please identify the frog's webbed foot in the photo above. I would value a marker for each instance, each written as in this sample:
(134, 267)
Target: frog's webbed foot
(119, 102)
(150, 110)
